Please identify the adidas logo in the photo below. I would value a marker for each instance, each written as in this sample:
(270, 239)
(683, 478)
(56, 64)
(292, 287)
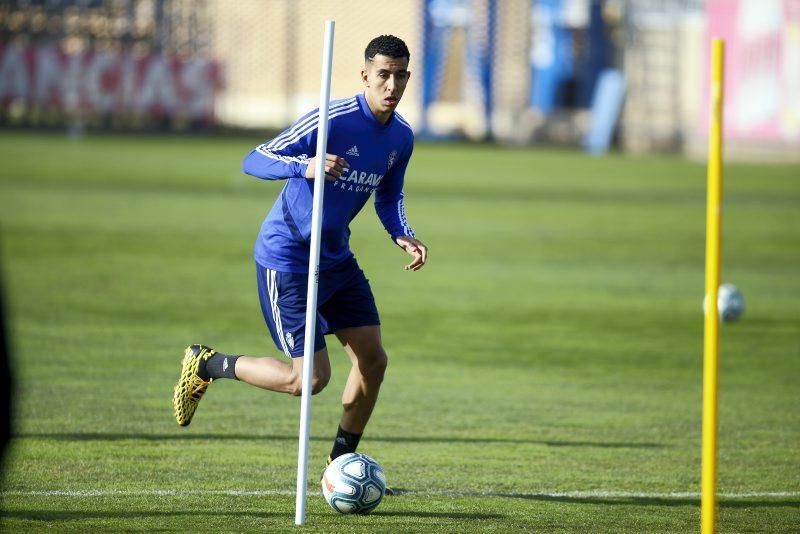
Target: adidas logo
(353, 151)
(225, 364)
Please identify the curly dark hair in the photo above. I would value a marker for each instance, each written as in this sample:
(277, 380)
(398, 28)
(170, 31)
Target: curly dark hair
(386, 45)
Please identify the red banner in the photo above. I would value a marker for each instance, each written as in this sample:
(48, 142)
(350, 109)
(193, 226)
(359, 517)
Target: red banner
(106, 83)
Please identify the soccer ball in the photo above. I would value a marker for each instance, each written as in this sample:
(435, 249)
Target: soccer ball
(353, 484)
(730, 303)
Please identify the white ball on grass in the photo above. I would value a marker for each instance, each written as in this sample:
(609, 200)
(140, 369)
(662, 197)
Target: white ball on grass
(730, 303)
(353, 483)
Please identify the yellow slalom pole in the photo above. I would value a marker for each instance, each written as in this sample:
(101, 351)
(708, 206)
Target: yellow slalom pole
(708, 501)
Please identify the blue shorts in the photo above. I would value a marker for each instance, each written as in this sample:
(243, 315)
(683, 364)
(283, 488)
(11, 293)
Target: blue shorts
(344, 300)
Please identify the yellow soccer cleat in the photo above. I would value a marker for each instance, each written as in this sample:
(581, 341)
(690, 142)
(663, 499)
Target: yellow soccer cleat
(190, 387)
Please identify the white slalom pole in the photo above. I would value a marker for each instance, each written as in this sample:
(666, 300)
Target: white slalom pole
(313, 274)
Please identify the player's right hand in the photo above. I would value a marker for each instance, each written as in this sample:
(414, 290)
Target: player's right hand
(335, 166)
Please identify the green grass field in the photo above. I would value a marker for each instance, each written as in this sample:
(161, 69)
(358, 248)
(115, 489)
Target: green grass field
(545, 366)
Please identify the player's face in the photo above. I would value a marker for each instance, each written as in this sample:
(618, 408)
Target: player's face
(385, 79)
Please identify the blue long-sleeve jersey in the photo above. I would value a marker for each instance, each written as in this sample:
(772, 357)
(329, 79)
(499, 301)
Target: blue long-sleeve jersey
(378, 155)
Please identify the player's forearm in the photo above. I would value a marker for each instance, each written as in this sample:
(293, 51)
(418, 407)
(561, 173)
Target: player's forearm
(392, 214)
(270, 165)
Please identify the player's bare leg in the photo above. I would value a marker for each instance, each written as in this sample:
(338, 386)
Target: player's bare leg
(282, 376)
(202, 365)
(363, 345)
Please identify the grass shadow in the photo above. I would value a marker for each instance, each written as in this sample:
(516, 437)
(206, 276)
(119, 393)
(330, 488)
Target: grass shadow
(646, 501)
(123, 436)
(75, 515)
(440, 515)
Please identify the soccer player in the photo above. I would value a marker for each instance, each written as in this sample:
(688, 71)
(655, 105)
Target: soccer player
(369, 147)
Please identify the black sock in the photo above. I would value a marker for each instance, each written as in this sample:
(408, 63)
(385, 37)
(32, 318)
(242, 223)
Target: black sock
(218, 366)
(345, 442)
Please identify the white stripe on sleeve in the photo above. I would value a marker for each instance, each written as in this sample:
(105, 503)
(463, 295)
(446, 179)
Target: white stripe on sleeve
(265, 151)
(401, 214)
(284, 142)
(311, 120)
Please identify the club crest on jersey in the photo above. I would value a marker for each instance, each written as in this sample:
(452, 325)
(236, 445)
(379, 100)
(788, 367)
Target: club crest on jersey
(392, 159)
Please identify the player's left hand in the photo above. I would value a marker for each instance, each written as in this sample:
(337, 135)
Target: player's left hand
(416, 248)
